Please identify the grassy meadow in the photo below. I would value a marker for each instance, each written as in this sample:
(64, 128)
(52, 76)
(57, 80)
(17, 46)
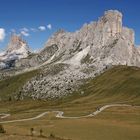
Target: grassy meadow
(118, 85)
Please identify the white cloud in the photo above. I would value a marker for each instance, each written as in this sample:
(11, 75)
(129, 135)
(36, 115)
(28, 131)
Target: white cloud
(24, 33)
(42, 28)
(49, 26)
(2, 34)
(33, 29)
(25, 29)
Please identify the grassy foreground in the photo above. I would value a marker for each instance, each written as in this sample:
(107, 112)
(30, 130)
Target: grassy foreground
(118, 85)
(117, 123)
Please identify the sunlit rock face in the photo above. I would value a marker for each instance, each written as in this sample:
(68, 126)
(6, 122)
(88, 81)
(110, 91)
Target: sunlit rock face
(107, 43)
(114, 21)
(128, 34)
(110, 43)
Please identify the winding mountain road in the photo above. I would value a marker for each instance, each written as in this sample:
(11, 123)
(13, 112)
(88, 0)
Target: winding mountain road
(59, 114)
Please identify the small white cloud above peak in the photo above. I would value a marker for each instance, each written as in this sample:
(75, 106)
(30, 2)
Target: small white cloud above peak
(24, 33)
(2, 34)
(49, 26)
(28, 31)
(42, 28)
(33, 29)
(24, 29)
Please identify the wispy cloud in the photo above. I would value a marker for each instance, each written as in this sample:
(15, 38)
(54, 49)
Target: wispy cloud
(33, 29)
(24, 33)
(49, 26)
(27, 31)
(24, 29)
(42, 28)
(2, 34)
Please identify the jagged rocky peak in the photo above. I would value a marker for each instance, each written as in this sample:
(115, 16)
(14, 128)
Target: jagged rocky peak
(60, 31)
(56, 38)
(18, 45)
(16, 49)
(109, 25)
(114, 19)
(105, 40)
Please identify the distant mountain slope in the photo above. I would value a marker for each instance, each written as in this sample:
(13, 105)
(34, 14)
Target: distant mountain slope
(119, 84)
(13, 84)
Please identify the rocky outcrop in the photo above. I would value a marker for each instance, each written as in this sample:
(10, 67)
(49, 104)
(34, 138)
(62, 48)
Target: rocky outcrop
(102, 37)
(114, 21)
(16, 49)
(35, 60)
(18, 45)
(110, 43)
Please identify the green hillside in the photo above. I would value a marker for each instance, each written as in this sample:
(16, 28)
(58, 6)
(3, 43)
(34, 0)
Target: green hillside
(13, 84)
(119, 84)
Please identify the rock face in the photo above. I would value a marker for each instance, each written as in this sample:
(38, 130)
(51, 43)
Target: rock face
(69, 58)
(35, 60)
(106, 41)
(16, 49)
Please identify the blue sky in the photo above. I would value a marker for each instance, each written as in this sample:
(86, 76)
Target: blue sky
(67, 14)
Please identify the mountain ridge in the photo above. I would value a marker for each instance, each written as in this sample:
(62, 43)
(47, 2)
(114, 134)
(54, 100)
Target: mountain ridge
(68, 59)
(98, 35)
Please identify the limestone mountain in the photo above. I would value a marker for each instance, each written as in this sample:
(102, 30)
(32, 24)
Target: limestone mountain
(106, 42)
(70, 58)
